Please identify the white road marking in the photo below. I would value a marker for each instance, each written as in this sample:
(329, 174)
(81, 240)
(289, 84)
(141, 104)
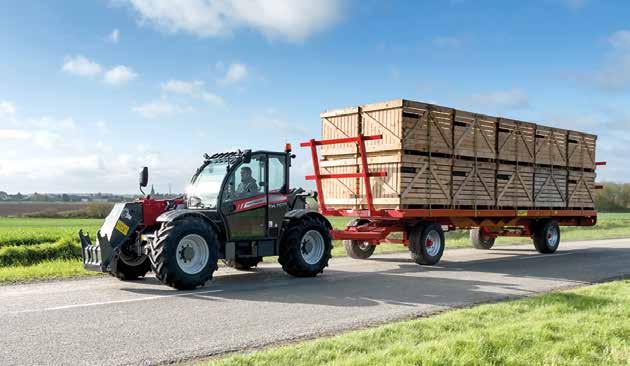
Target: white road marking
(64, 307)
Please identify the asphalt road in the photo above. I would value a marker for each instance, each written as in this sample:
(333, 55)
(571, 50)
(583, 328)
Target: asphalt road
(104, 321)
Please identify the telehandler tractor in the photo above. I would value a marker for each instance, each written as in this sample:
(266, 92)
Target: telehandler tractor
(238, 207)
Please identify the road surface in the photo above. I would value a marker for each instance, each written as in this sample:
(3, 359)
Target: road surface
(104, 321)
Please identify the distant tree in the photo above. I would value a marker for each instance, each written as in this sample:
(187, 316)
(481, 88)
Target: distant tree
(4, 196)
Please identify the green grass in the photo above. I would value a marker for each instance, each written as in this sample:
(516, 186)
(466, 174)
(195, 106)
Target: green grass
(19, 231)
(58, 268)
(585, 326)
(24, 255)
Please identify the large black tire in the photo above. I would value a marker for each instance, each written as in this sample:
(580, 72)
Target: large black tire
(546, 236)
(297, 247)
(426, 243)
(358, 249)
(129, 271)
(479, 240)
(164, 256)
(243, 264)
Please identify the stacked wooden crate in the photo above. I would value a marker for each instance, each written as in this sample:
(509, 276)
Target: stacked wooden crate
(446, 158)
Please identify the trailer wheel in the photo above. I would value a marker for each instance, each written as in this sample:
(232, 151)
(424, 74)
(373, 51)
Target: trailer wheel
(546, 236)
(184, 253)
(127, 270)
(426, 243)
(305, 247)
(480, 240)
(243, 264)
(358, 249)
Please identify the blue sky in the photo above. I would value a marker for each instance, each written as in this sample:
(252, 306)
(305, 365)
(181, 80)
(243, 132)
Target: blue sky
(92, 90)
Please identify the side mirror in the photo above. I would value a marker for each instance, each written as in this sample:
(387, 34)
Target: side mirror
(247, 156)
(143, 179)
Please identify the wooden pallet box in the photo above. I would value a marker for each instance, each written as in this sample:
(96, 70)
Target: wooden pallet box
(550, 187)
(473, 183)
(336, 124)
(516, 141)
(403, 124)
(581, 150)
(340, 192)
(474, 135)
(515, 186)
(551, 146)
(581, 189)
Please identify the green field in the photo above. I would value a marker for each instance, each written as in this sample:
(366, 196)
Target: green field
(37, 248)
(578, 327)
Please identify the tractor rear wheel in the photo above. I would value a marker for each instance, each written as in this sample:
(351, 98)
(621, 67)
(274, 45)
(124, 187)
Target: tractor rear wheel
(481, 240)
(243, 264)
(184, 253)
(305, 247)
(426, 243)
(129, 270)
(546, 236)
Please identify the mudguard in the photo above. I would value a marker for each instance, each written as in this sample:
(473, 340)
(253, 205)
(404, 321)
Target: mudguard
(173, 215)
(299, 213)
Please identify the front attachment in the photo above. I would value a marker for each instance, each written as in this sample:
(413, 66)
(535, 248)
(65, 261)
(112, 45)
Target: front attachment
(119, 226)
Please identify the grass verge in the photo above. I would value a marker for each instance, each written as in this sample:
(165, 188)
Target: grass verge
(58, 268)
(26, 255)
(577, 327)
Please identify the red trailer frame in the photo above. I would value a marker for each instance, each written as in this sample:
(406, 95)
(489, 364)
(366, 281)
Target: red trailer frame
(379, 224)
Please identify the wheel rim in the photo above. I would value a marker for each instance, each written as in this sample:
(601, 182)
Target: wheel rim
(192, 254)
(364, 246)
(312, 246)
(433, 243)
(552, 236)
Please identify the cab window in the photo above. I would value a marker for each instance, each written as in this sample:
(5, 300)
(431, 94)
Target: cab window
(247, 180)
(276, 174)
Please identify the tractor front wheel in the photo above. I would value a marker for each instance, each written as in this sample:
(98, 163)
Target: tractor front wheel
(184, 253)
(306, 247)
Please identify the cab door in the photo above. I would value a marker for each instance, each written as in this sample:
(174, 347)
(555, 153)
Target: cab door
(244, 200)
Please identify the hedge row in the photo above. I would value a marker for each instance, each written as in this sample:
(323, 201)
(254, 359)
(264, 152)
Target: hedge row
(66, 248)
(29, 240)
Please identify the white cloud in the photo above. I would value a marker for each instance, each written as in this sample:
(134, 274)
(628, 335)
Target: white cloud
(42, 138)
(11, 134)
(447, 42)
(183, 87)
(119, 75)
(501, 100)
(159, 108)
(236, 73)
(289, 19)
(114, 36)
(193, 89)
(7, 108)
(79, 65)
(620, 40)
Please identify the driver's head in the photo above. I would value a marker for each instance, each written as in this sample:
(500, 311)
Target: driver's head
(246, 172)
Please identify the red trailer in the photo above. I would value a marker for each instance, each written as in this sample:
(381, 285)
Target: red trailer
(423, 229)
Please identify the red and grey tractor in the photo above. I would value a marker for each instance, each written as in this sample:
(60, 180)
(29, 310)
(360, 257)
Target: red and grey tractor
(238, 207)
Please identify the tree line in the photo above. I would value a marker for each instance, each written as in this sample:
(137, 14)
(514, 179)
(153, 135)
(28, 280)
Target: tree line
(614, 197)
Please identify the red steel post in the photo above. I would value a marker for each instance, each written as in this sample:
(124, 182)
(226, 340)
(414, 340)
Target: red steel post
(366, 174)
(318, 181)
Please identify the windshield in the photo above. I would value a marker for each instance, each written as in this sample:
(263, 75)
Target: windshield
(203, 192)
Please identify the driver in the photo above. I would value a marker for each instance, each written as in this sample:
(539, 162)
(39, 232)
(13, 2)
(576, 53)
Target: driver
(248, 184)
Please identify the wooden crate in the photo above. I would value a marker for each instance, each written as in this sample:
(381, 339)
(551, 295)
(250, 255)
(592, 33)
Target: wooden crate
(473, 183)
(581, 189)
(550, 187)
(474, 135)
(581, 150)
(516, 141)
(340, 192)
(515, 186)
(338, 124)
(551, 146)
